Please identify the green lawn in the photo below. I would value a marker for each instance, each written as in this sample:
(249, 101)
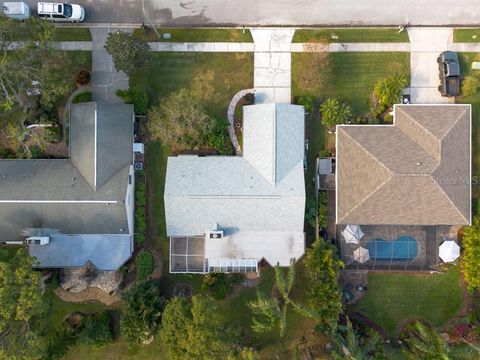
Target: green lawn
(466, 60)
(350, 35)
(22, 33)
(353, 76)
(196, 35)
(393, 298)
(213, 77)
(466, 35)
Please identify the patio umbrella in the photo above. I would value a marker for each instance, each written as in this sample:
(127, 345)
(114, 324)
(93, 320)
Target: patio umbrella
(361, 255)
(352, 234)
(449, 251)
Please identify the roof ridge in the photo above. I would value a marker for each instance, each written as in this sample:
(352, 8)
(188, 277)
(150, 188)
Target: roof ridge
(449, 199)
(451, 127)
(416, 122)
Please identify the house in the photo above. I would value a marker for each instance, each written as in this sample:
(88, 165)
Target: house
(77, 210)
(407, 184)
(226, 213)
(414, 172)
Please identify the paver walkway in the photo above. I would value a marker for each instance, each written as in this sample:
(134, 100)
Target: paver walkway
(105, 79)
(425, 46)
(272, 65)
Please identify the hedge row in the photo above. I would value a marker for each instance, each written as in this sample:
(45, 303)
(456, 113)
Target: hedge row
(140, 201)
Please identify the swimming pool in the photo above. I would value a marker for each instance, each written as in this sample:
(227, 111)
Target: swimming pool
(403, 248)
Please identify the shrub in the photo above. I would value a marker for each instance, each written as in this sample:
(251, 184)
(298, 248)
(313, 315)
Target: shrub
(82, 97)
(82, 77)
(470, 84)
(388, 91)
(53, 134)
(217, 137)
(471, 254)
(324, 153)
(220, 285)
(311, 212)
(144, 264)
(141, 312)
(323, 209)
(97, 330)
(308, 103)
(136, 96)
(335, 112)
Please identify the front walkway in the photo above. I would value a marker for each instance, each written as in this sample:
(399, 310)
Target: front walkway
(105, 79)
(425, 46)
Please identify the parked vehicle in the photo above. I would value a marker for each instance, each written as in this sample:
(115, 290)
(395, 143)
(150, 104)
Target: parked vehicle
(449, 69)
(17, 10)
(61, 12)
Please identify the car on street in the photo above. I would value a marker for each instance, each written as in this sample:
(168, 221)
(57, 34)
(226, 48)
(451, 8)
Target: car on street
(61, 12)
(449, 73)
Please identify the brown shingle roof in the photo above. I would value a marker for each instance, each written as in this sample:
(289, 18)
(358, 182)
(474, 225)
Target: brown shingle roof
(415, 172)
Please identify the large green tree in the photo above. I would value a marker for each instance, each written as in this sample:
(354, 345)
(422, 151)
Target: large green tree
(141, 312)
(195, 330)
(180, 121)
(471, 254)
(128, 52)
(21, 306)
(32, 63)
(324, 295)
(271, 313)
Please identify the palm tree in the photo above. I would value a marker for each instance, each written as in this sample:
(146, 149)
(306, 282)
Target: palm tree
(335, 112)
(269, 313)
(423, 342)
(347, 345)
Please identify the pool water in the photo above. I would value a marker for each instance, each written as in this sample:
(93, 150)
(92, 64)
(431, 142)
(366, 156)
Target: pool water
(403, 248)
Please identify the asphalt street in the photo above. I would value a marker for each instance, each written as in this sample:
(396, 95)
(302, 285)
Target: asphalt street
(281, 12)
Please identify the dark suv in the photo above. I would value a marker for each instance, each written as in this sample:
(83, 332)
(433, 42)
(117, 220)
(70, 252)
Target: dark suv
(449, 69)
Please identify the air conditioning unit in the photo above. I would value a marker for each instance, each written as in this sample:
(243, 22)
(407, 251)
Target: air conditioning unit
(38, 240)
(215, 234)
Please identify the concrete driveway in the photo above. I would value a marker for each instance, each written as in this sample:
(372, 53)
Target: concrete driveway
(281, 12)
(425, 46)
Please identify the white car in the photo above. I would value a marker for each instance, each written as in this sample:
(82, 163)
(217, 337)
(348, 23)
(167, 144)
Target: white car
(61, 12)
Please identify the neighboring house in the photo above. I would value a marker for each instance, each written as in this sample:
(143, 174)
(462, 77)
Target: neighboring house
(226, 213)
(81, 207)
(414, 172)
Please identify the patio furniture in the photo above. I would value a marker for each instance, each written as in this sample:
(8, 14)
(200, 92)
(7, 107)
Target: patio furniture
(352, 234)
(449, 251)
(361, 255)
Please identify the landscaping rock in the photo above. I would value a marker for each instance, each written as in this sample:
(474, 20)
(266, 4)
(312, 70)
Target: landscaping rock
(76, 280)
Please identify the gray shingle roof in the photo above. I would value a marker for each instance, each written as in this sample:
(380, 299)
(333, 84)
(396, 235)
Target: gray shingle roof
(415, 172)
(58, 193)
(100, 136)
(262, 192)
(106, 252)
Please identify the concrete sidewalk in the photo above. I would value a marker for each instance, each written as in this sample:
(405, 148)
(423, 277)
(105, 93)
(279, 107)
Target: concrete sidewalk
(425, 46)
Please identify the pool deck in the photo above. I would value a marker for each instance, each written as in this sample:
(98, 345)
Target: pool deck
(428, 237)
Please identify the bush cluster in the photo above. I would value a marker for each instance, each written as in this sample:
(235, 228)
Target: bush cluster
(220, 285)
(82, 97)
(322, 209)
(144, 264)
(136, 96)
(217, 137)
(140, 202)
(96, 330)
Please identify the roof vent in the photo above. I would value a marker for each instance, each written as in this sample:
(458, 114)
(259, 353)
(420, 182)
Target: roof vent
(215, 234)
(418, 163)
